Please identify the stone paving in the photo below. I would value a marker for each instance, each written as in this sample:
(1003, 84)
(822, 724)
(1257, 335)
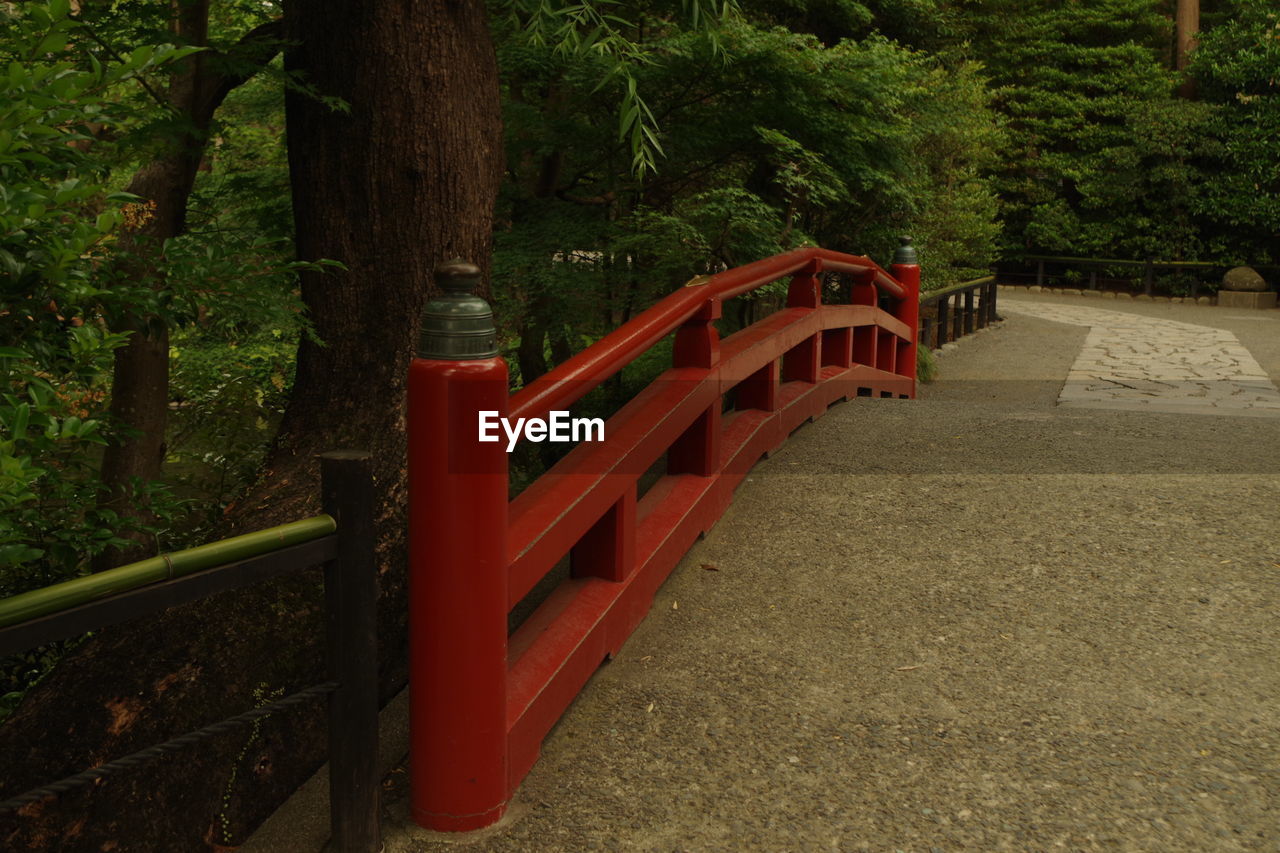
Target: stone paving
(1141, 363)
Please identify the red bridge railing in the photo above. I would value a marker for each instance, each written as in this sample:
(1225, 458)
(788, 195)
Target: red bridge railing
(483, 700)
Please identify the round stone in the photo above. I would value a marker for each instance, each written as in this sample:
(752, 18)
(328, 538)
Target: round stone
(1244, 278)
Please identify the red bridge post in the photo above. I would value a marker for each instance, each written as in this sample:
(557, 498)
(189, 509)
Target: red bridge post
(906, 270)
(457, 563)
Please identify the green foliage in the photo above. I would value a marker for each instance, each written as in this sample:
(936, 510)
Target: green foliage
(228, 395)
(605, 33)
(926, 365)
(1237, 68)
(1105, 158)
(772, 140)
(57, 218)
(82, 108)
(245, 190)
(50, 522)
(58, 222)
(958, 143)
(1078, 83)
(75, 111)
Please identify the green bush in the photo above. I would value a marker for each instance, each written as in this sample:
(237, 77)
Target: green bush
(926, 365)
(228, 395)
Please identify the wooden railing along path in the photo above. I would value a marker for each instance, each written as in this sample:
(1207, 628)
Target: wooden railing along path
(342, 541)
(483, 700)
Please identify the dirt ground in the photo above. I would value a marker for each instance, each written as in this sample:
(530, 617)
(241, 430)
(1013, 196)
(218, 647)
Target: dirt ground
(971, 622)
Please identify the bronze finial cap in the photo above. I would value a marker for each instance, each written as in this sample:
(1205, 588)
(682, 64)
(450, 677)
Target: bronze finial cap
(457, 324)
(906, 253)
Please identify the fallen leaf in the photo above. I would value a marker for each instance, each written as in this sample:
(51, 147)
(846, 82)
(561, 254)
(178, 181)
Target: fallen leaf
(649, 710)
(675, 605)
(908, 668)
(710, 567)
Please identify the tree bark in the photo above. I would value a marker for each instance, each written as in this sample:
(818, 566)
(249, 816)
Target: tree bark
(1186, 25)
(404, 178)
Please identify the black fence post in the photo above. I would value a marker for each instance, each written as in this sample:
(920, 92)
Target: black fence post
(1148, 276)
(944, 327)
(351, 597)
(968, 311)
(991, 304)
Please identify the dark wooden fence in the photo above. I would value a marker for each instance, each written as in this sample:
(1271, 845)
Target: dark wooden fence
(1055, 269)
(351, 592)
(956, 311)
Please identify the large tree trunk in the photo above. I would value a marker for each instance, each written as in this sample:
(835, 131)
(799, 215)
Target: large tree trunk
(405, 179)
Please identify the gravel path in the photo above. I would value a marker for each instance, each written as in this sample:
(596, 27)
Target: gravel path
(974, 622)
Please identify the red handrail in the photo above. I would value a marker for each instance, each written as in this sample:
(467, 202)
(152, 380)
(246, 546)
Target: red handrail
(570, 381)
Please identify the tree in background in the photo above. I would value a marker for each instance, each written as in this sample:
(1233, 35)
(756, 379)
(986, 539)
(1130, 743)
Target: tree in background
(1237, 69)
(770, 139)
(61, 229)
(1186, 25)
(197, 85)
(1084, 90)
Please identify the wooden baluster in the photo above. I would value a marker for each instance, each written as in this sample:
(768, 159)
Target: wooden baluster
(863, 291)
(697, 341)
(697, 344)
(804, 362)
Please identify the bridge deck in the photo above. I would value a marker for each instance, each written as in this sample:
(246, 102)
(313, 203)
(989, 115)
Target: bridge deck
(978, 621)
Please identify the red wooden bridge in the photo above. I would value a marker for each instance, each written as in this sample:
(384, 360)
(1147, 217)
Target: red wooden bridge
(484, 700)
